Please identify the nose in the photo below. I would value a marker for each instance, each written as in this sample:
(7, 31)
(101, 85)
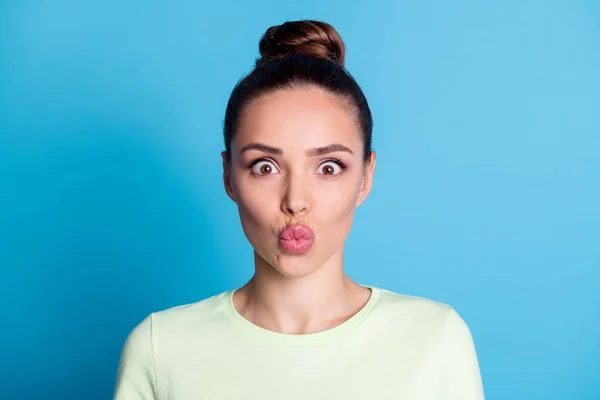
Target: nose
(296, 197)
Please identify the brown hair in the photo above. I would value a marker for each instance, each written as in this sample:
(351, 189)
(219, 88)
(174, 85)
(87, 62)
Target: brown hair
(296, 54)
(311, 38)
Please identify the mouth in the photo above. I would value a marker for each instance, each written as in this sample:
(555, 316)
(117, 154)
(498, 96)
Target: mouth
(296, 239)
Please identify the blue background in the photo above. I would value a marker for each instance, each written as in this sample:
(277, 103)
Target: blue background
(487, 191)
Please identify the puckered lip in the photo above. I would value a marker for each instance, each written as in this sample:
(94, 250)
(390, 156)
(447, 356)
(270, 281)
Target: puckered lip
(296, 232)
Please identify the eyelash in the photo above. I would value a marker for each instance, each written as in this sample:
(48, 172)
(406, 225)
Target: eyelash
(339, 162)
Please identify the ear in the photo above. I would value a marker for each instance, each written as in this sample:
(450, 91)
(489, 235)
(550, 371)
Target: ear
(226, 177)
(367, 181)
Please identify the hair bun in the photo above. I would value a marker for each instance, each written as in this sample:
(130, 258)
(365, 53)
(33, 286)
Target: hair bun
(311, 38)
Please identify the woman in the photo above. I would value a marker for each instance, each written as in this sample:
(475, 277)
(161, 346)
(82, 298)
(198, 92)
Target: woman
(297, 163)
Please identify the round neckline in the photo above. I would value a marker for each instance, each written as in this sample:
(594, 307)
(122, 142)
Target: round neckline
(305, 338)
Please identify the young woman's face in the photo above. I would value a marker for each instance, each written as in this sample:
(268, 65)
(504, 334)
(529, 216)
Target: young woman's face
(297, 158)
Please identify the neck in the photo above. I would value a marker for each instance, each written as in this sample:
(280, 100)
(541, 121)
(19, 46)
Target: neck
(299, 305)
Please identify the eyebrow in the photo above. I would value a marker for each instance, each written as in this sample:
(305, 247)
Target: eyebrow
(315, 152)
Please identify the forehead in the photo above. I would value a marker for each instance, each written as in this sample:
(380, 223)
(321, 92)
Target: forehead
(298, 118)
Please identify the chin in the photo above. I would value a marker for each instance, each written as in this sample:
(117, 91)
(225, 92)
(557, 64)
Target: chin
(296, 274)
(293, 265)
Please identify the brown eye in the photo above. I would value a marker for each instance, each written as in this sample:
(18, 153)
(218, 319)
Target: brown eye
(330, 168)
(264, 167)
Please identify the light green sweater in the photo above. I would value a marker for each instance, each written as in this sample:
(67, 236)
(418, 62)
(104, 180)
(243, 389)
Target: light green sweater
(395, 347)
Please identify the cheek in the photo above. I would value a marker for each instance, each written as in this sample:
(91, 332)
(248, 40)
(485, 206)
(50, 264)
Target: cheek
(337, 202)
(255, 201)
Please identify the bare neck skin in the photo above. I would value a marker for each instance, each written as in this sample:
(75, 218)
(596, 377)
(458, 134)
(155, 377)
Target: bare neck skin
(314, 303)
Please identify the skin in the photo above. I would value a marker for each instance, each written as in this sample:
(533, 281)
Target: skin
(298, 294)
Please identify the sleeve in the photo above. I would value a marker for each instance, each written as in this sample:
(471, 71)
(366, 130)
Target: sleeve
(136, 378)
(462, 378)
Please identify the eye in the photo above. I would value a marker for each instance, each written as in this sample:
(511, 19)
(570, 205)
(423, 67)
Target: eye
(264, 168)
(331, 168)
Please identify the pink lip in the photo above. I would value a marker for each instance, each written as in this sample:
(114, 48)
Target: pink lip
(296, 239)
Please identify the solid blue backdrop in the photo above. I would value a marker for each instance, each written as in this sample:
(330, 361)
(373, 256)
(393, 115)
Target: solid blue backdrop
(486, 194)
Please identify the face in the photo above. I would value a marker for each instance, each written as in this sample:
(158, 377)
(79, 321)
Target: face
(297, 158)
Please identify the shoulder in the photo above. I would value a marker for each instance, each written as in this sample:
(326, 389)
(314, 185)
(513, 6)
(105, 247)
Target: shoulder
(160, 337)
(208, 308)
(437, 330)
(404, 304)
(418, 314)
(182, 320)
